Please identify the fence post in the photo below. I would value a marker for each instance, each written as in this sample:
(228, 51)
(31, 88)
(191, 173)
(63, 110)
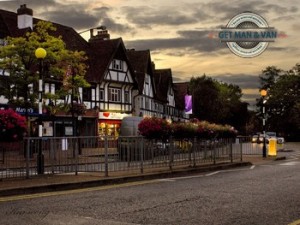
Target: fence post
(128, 148)
(52, 154)
(106, 156)
(214, 151)
(241, 149)
(171, 153)
(142, 154)
(27, 156)
(231, 152)
(190, 150)
(194, 151)
(76, 155)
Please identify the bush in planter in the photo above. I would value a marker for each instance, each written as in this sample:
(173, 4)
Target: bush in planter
(12, 125)
(184, 130)
(154, 128)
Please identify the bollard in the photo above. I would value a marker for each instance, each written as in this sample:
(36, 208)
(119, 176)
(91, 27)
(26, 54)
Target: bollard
(272, 147)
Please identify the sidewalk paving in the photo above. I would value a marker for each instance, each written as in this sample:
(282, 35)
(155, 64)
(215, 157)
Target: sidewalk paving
(59, 182)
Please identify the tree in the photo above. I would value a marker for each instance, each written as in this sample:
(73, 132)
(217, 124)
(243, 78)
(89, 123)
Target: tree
(282, 105)
(269, 76)
(218, 102)
(205, 98)
(19, 63)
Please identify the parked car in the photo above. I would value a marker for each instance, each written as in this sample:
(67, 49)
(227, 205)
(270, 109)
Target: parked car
(257, 138)
(269, 135)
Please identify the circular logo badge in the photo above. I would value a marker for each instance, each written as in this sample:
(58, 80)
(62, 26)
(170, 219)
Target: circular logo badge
(247, 34)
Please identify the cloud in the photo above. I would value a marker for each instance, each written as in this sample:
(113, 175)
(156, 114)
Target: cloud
(242, 80)
(147, 16)
(189, 41)
(76, 18)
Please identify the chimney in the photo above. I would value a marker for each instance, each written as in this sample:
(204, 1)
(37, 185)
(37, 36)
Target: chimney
(102, 34)
(25, 19)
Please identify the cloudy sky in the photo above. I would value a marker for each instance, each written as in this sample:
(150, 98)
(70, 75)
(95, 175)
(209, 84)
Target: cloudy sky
(181, 34)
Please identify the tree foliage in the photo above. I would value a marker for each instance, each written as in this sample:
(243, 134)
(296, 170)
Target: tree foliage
(218, 102)
(282, 105)
(19, 64)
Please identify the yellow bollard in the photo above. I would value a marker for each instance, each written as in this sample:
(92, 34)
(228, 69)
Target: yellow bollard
(272, 147)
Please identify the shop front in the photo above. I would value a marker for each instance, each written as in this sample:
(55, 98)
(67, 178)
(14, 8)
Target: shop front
(109, 123)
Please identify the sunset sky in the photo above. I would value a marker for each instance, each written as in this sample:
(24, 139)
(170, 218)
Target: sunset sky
(182, 34)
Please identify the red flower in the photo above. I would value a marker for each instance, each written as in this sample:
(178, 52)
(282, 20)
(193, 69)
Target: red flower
(153, 127)
(12, 125)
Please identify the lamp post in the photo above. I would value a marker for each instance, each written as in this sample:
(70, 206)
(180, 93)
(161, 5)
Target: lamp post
(40, 54)
(263, 94)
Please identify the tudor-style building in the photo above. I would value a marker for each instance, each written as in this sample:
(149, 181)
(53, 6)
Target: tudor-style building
(112, 81)
(144, 98)
(123, 83)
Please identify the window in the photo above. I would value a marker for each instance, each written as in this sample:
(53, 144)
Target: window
(147, 105)
(114, 95)
(86, 94)
(117, 64)
(101, 94)
(126, 97)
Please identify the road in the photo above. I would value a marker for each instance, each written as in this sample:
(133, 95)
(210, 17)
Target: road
(266, 194)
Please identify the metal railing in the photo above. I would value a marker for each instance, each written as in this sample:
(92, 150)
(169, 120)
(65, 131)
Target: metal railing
(107, 155)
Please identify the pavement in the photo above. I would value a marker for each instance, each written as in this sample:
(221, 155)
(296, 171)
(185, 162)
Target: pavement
(61, 182)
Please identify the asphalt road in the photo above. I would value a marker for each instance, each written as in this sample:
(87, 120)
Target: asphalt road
(265, 194)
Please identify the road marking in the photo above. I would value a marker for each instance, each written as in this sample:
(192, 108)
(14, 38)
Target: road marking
(292, 163)
(181, 178)
(252, 167)
(211, 174)
(167, 180)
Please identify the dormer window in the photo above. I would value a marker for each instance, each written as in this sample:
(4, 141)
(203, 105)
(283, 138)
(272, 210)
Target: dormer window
(117, 64)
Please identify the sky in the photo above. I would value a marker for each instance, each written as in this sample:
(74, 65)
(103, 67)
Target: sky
(183, 34)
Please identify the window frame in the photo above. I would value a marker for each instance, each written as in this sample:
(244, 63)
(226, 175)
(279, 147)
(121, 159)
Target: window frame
(114, 94)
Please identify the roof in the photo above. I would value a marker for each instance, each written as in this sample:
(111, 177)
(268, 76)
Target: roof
(9, 27)
(163, 79)
(100, 52)
(141, 64)
(180, 90)
(104, 51)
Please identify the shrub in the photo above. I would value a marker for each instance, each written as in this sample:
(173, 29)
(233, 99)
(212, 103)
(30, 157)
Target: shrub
(12, 125)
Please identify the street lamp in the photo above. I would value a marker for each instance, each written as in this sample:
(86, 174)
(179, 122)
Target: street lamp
(263, 94)
(40, 54)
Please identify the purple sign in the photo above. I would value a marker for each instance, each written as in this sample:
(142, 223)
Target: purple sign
(188, 104)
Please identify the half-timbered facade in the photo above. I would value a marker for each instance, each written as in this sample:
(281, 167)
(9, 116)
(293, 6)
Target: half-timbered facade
(112, 82)
(144, 97)
(166, 96)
